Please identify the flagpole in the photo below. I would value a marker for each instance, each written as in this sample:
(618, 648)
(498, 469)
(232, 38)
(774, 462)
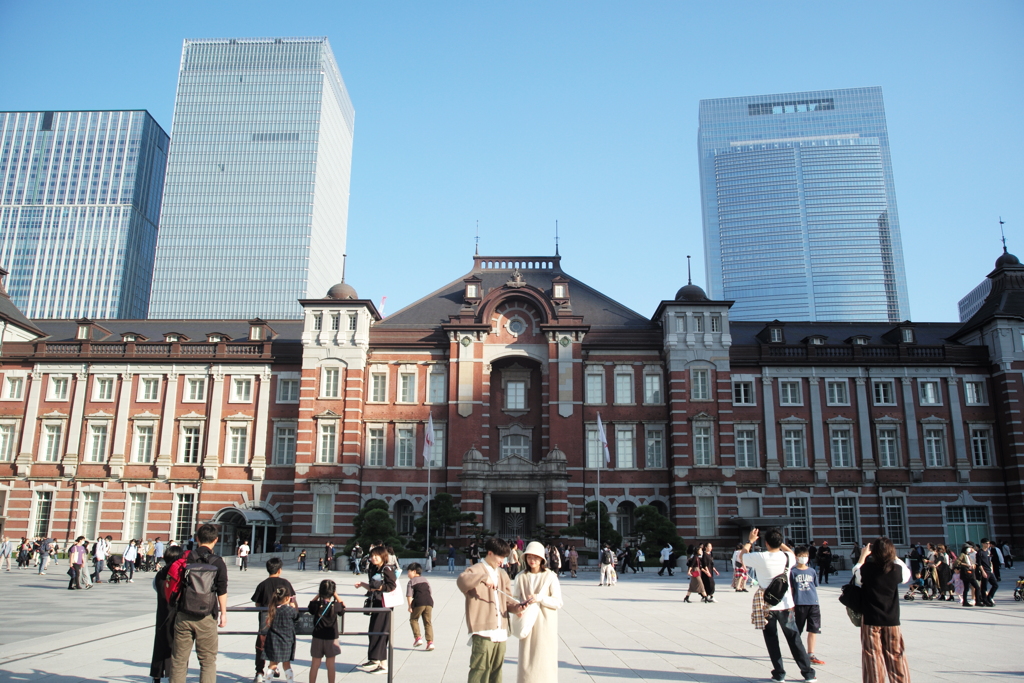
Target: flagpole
(428, 454)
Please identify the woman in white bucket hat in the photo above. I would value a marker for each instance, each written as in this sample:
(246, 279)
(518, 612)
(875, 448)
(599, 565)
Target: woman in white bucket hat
(537, 626)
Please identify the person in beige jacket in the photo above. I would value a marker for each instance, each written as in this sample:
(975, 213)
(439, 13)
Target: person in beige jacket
(488, 601)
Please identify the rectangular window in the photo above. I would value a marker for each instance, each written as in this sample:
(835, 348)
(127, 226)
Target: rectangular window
(885, 395)
(90, 513)
(595, 388)
(332, 382)
(104, 389)
(846, 520)
(595, 450)
(655, 448)
(405, 451)
(437, 450)
(698, 323)
(930, 393)
(436, 387)
(318, 321)
(515, 395)
(652, 389)
(196, 390)
(284, 446)
(625, 450)
(242, 390)
(793, 447)
(378, 387)
(716, 323)
(407, 387)
(14, 386)
(328, 442)
(702, 445)
(888, 448)
(375, 448)
(700, 379)
(335, 322)
(6, 443)
(352, 318)
(59, 388)
(623, 388)
(51, 443)
(190, 444)
(965, 523)
(150, 388)
(706, 516)
(837, 393)
(323, 517)
(842, 454)
(98, 443)
(775, 335)
(895, 519)
(789, 393)
(975, 393)
(136, 516)
(798, 530)
(934, 450)
(44, 507)
(746, 448)
(287, 390)
(981, 450)
(237, 443)
(743, 393)
(184, 516)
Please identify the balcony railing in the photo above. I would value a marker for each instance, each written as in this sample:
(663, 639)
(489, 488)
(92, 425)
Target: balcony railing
(154, 350)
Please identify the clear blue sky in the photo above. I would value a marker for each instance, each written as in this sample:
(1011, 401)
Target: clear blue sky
(518, 114)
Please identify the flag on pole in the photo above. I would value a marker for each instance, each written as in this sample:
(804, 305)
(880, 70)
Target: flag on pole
(428, 441)
(604, 441)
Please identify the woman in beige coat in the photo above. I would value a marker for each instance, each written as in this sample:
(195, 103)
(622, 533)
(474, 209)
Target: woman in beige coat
(538, 588)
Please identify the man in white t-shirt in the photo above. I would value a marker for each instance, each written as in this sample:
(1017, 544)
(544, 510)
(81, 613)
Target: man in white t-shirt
(243, 556)
(776, 560)
(666, 559)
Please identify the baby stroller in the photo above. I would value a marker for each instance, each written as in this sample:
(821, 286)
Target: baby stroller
(917, 590)
(117, 570)
(1018, 591)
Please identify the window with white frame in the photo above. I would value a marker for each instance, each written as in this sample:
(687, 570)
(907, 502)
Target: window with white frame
(907, 335)
(52, 434)
(352, 320)
(41, 514)
(775, 335)
(59, 388)
(195, 390)
(323, 513)
(103, 389)
(789, 393)
(515, 395)
(934, 447)
(895, 511)
(837, 392)
(335, 322)
(241, 390)
(14, 388)
(655, 447)
(378, 387)
(7, 433)
(793, 447)
(330, 386)
(143, 450)
(652, 388)
(680, 323)
(888, 447)
(625, 448)
(437, 450)
(929, 392)
(184, 514)
(149, 389)
(90, 514)
(594, 387)
(746, 447)
(846, 520)
(191, 443)
(284, 444)
(238, 442)
(595, 449)
(288, 389)
(842, 450)
(623, 387)
(136, 515)
(702, 445)
(98, 437)
(327, 442)
(700, 380)
(974, 392)
(981, 446)
(885, 393)
(515, 444)
(706, 516)
(743, 393)
(318, 321)
(375, 447)
(436, 387)
(800, 529)
(407, 387)
(698, 322)
(405, 447)
(716, 323)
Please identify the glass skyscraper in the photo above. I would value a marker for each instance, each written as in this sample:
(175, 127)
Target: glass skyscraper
(799, 207)
(256, 201)
(79, 204)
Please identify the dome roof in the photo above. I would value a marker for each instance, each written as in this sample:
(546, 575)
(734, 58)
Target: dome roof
(342, 291)
(691, 292)
(1007, 259)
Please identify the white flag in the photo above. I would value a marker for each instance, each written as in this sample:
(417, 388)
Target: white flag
(604, 441)
(428, 441)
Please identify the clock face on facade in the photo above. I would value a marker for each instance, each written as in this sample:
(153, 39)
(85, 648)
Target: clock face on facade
(564, 341)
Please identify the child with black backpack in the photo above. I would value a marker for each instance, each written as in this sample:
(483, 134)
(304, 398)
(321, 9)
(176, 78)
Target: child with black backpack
(279, 648)
(325, 610)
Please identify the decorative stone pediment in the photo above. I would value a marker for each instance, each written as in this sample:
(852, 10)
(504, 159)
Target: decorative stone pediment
(793, 420)
(54, 415)
(933, 420)
(327, 415)
(888, 419)
(192, 416)
(145, 416)
(514, 473)
(703, 416)
(840, 420)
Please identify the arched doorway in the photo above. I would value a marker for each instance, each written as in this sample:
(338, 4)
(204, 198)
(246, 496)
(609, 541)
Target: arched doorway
(625, 520)
(251, 524)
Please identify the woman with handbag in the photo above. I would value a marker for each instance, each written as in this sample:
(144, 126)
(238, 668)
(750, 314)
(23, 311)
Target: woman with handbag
(879, 573)
(380, 579)
(966, 568)
(537, 588)
(693, 569)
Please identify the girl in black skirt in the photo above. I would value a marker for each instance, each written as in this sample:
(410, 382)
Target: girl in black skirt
(279, 648)
(380, 580)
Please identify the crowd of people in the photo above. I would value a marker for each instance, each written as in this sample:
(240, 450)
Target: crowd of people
(87, 559)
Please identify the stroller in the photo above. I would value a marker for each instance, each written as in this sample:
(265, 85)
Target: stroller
(917, 590)
(1018, 591)
(117, 570)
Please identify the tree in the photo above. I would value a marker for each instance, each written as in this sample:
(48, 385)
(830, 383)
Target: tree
(444, 515)
(654, 530)
(374, 523)
(587, 526)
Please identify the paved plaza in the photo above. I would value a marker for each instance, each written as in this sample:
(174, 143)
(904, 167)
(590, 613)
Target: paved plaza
(637, 630)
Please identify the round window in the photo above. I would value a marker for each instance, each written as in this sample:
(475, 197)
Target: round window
(516, 327)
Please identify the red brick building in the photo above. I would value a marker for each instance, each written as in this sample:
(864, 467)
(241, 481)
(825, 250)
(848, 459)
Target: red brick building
(281, 430)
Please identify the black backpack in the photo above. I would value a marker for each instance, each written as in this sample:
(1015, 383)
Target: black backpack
(779, 586)
(197, 595)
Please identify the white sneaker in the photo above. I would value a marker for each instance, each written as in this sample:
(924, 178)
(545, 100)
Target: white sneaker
(369, 665)
(289, 676)
(381, 669)
(258, 679)
(417, 642)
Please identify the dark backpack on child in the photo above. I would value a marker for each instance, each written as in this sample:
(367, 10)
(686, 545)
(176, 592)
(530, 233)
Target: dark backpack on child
(775, 591)
(197, 595)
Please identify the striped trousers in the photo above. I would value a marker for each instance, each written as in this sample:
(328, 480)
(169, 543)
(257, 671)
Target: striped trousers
(882, 651)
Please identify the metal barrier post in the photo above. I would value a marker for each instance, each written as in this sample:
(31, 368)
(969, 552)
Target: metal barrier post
(391, 644)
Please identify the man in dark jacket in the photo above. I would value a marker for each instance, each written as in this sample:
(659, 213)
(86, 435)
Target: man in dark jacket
(824, 561)
(201, 629)
(989, 582)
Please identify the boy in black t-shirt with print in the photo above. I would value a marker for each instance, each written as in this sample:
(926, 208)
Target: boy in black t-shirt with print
(261, 596)
(804, 582)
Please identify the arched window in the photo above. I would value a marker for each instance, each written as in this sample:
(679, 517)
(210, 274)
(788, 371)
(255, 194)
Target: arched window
(515, 444)
(625, 519)
(660, 507)
(404, 517)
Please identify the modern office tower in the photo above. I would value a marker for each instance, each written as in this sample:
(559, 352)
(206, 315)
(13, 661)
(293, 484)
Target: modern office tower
(256, 202)
(79, 204)
(799, 207)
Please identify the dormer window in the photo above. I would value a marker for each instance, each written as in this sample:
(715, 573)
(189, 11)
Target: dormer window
(172, 338)
(214, 338)
(860, 341)
(907, 335)
(256, 333)
(128, 338)
(775, 335)
(816, 341)
(83, 331)
(472, 291)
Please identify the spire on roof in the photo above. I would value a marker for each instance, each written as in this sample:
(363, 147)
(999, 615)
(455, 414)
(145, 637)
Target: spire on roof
(556, 237)
(689, 280)
(477, 252)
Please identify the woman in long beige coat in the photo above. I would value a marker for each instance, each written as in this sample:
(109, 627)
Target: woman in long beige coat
(538, 587)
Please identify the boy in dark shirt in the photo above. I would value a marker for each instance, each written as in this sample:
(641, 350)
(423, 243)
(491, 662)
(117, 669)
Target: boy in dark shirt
(804, 581)
(421, 605)
(261, 597)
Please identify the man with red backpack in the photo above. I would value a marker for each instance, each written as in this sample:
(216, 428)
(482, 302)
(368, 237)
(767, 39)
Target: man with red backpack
(197, 585)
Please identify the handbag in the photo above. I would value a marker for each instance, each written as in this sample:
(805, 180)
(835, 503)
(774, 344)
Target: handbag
(776, 590)
(396, 597)
(852, 598)
(520, 625)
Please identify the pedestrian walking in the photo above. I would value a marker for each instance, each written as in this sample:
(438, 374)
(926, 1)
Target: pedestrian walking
(488, 601)
(708, 572)
(607, 566)
(356, 558)
(202, 602)
(879, 573)
(46, 546)
(128, 557)
(693, 570)
(574, 561)
(380, 579)
(804, 581)
(158, 553)
(966, 568)
(824, 561)
(451, 558)
(76, 561)
(160, 662)
(538, 589)
(987, 580)
(6, 550)
(421, 606)
(302, 560)
(99, 555)
(666, 559)
(242, 555)
(328, 556)
(325, 609)
(263, 596)
(279, 630)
